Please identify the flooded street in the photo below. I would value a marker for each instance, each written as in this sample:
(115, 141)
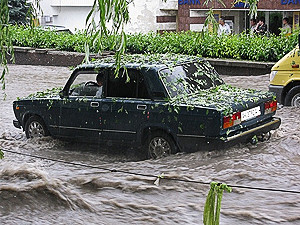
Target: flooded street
(38, 191)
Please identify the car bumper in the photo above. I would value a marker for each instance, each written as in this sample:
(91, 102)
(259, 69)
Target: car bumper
(17, 124)
(277, 90)
(192, 143)
(247, 135)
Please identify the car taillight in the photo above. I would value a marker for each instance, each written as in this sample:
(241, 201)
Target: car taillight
(234, 119)
(270, 107)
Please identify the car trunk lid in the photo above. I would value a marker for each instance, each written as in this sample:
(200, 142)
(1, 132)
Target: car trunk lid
(237, 107)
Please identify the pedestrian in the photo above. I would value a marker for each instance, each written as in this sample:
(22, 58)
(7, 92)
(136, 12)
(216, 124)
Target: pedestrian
(286, 28)
(253, 25)
(261, 27)
(224, 28)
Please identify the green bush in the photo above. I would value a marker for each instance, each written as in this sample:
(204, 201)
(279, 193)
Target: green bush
(24, 36)
(241, 46)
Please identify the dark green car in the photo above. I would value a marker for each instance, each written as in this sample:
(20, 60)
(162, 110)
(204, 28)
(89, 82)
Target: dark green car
(165, 103)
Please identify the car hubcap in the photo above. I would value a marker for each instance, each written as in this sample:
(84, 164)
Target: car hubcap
(159, 147)
(36, 129)
(296, 100)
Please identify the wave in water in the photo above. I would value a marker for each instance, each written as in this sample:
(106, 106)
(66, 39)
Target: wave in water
(26, 187)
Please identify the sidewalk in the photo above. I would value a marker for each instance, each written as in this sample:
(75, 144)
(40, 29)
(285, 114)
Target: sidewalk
(50, 57)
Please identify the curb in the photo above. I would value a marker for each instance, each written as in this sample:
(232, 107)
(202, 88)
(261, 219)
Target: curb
(51, 57)
(241, 68)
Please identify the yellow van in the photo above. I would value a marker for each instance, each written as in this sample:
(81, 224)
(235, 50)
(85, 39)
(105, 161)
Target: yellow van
(285, 78)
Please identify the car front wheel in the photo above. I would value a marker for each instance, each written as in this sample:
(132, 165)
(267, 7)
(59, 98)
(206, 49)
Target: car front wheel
(35, 127)
(293, 97)
(160, 145)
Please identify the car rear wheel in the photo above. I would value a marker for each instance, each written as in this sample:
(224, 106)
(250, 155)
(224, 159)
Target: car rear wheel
(160, 145)
(293, 97)
(35, 127)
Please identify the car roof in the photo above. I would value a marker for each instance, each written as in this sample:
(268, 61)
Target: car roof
(136, 61)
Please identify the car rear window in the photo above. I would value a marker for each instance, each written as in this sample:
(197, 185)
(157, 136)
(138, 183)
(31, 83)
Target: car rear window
(190, 77)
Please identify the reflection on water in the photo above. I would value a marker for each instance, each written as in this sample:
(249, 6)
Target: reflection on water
(35, 191)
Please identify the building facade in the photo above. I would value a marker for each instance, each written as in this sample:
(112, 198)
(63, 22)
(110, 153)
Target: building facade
(192, 13)
(145, 16)
(173, 15)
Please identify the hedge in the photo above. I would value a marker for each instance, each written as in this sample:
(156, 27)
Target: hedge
(238, 46)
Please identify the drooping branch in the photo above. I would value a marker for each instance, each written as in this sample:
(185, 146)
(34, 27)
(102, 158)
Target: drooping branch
(210, 19)
(6, 44)
(252, 7)
(5, 40)
(108, 17)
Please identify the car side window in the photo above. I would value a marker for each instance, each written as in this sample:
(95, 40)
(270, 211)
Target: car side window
(130, 84)
(87, 85)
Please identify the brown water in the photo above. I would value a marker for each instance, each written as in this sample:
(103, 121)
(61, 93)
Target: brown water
(34, 191)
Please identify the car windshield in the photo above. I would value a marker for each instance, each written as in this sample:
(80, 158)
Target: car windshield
(190, 77)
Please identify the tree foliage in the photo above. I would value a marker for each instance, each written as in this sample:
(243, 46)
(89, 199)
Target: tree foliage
(18, 12)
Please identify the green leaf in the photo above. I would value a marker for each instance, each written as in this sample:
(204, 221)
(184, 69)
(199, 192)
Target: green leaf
(212, 207)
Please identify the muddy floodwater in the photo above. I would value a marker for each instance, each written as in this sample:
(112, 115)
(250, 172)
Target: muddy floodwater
(37, 191)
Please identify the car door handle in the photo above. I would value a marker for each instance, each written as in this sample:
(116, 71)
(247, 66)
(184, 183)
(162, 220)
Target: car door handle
(95, 104)
(141, 107)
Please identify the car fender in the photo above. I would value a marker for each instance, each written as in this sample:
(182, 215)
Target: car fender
(155, 127)
(27, 115)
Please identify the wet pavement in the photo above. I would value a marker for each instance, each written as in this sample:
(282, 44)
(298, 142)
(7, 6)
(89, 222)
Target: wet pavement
(36, 191)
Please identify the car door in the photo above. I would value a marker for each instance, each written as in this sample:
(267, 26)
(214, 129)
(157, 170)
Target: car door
(81, 118)
(125, 108)
(80, 115)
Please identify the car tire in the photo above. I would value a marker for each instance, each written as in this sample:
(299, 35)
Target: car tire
(35, 127)
(293, 97)
(160, 144)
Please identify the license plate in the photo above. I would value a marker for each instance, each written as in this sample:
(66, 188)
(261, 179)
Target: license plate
(250, 113)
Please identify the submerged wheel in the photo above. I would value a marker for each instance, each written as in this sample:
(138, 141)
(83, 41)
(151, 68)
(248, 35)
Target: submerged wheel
(160, 145)
(35, 127)
(293, 97)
